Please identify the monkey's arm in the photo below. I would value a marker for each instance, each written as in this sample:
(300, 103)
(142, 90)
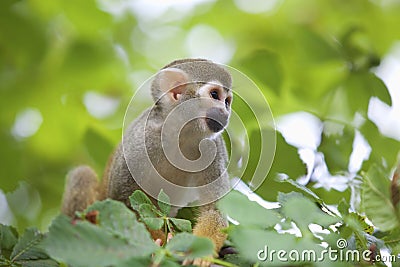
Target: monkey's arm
(210, 223)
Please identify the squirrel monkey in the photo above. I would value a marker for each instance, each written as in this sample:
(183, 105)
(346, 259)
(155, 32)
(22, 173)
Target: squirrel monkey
(178, 139)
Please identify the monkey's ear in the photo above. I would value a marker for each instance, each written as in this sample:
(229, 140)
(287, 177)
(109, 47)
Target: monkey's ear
(172, 82)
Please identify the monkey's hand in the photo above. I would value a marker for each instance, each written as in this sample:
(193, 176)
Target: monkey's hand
(209, 224)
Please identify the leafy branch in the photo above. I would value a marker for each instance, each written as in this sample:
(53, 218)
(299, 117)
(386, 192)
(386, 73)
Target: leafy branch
(157, 218)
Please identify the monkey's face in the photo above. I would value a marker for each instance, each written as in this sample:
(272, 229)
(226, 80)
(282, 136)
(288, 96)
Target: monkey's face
(199, 106)
(217, 107)
(198, 110)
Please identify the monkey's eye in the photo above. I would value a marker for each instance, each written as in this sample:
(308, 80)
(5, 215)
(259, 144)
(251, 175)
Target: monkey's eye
(214, 94)
(227, 102)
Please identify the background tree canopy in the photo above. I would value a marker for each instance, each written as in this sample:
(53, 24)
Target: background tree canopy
(329, 69)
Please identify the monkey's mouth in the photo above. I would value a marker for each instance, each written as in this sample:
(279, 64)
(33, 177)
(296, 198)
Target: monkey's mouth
(214, 125)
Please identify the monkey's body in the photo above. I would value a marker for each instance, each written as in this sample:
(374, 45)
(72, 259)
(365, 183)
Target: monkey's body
(121, 183)
(141, 159)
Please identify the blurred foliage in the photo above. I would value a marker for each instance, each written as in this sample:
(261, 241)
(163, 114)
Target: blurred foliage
(24, 250)
(120, 238)
(308, 55)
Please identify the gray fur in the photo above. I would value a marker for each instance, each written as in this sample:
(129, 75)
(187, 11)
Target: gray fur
(142, 139)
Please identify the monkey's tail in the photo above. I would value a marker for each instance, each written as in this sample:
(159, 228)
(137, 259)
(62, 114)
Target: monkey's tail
(81, 190)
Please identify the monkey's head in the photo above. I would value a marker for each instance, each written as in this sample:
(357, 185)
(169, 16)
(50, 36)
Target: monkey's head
(197, 92)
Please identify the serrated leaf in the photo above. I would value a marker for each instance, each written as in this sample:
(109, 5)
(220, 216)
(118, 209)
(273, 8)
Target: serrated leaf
(147, 211)
(247, 212)
(376, 199)
(73, 243)
(26, 248)
(28, 252)
(192, 246)
(164, 202)
(115, 217)
(8, 239)
(182, 225)
(154, 223)
(138, 198)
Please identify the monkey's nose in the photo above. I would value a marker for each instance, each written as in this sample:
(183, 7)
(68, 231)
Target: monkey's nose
(216, 119)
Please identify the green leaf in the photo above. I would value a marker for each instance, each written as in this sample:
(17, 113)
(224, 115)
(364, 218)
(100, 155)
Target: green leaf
(303, 189)
(357, 222)
(384, 149)
(72, 243)
(286, 160)
(283, 197)
(27, 247)
(8, 239)
(137, 198)
(188, 213)
(115, 217)
(309, 212)
(182, 225)
(137, 262)
(26, 251)
(247, 212)
(392, 240)
(38, 263)
(236, 259)
(192, 246)
(360, 87)
(254, 243)
(3, 261)
(337, 147)
(249, 241)
(147, 211)
(343, 207)
(169, 263)
(154, 223)
(376, 199)
(358, 49)
(164, 202)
